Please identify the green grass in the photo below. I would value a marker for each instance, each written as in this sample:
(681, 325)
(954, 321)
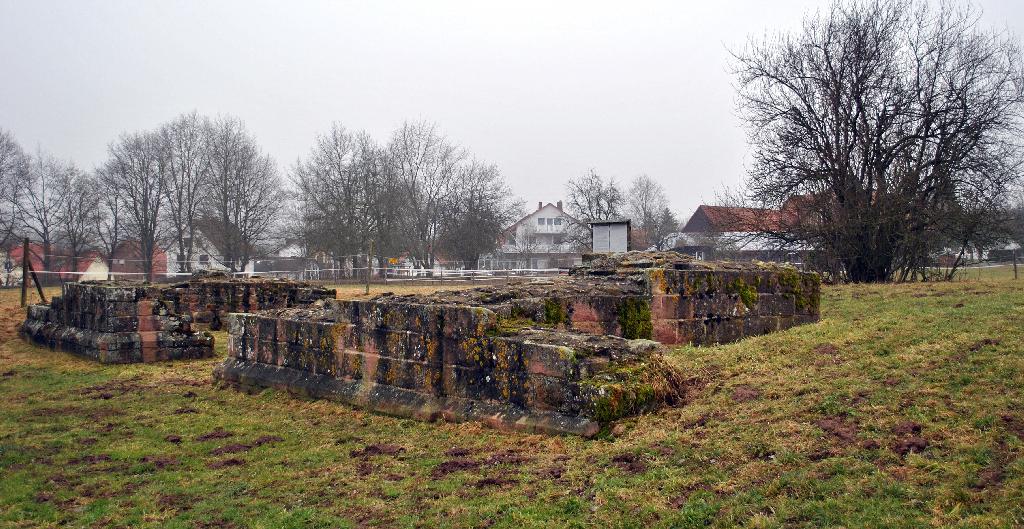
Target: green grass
(798, 429)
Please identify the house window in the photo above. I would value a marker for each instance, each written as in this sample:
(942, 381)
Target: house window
(540, 221)
(558, 221)
(551, 222)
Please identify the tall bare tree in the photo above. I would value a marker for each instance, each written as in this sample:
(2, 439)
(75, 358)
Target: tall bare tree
(425, 165)
(243, 196)
(78, 216)
(14, 164)
(898, 121)
(110, 220)
(482, 207)
(648, 207)
(137, 168)
(591, 197)
(44, 193)
(188, 166)
(334, 184)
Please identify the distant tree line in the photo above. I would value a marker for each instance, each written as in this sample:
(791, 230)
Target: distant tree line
(418, 195)
(158, 188)
(199, 179)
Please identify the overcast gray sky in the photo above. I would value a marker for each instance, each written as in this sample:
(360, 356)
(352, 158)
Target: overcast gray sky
(543, 89)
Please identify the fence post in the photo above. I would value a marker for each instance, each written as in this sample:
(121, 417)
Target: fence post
(1015, 264)
(369, 266)
(24, 272)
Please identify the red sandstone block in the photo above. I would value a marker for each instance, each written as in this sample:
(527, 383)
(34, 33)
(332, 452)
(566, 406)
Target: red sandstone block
(583, 312)
(666, 331)
(665, 306)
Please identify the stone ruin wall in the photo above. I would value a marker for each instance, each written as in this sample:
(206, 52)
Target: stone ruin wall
(114, 322)
(124, 321)
(566, 355)
(210, 297)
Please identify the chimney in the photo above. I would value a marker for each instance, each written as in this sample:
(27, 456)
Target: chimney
(559, 205)
(540, 206)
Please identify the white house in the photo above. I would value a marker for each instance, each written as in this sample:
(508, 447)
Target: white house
(538, 240)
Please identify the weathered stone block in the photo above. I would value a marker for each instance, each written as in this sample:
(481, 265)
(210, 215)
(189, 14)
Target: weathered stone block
(552, 355)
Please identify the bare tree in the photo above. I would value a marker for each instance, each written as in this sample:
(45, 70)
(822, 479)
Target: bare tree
(591, 197)
(14, 164)
(185, 148)
(137, 168)
(425, 166)
(482, 208)
(647, 207)
(897, 121)
(244, 193)
(77, 218)
(335, 187)
(44, 193)
(110, 227)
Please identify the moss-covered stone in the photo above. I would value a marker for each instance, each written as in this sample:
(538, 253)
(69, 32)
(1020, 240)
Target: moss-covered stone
(635, 319)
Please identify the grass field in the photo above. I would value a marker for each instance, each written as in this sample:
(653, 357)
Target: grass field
(903, 407)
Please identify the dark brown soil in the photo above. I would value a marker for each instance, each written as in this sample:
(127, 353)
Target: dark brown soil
(826, 349)
(161, 462)
(909, 445)
(233, 448)
(378, 450)
(454, 465)
(630, 463)
(493, 482)
(980, 344)
(230, 462)
(507, 457)
(267, 439)
(90, 459)
(838, 427)
(217, 433)
(745, 394)
(458, 452)
(173, 438)
(906, 428)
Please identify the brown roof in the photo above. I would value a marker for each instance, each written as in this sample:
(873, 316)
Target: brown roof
(722, 219)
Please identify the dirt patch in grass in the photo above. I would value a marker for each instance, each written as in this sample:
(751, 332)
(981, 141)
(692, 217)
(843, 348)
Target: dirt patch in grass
(223, 463)
(232, 448)
(839, 427)
(745, 394)
(630, 463)
(906, 428)
(981, 344)
(910, 445)
(454, 465)
(507, 457)
(267, 439)
(217, 433)
(377, 450)
(458, 452)
(173, 439)
(161, 462)
(493, 481)
(1013, 424)
(181, 502)
(90, 459)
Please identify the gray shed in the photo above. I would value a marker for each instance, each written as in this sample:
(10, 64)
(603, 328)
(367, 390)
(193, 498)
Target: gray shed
(610, 236)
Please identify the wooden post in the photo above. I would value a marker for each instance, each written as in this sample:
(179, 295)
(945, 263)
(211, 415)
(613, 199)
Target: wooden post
(24, 272)
(39, 287)
(369, 266)
(1015, 264)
